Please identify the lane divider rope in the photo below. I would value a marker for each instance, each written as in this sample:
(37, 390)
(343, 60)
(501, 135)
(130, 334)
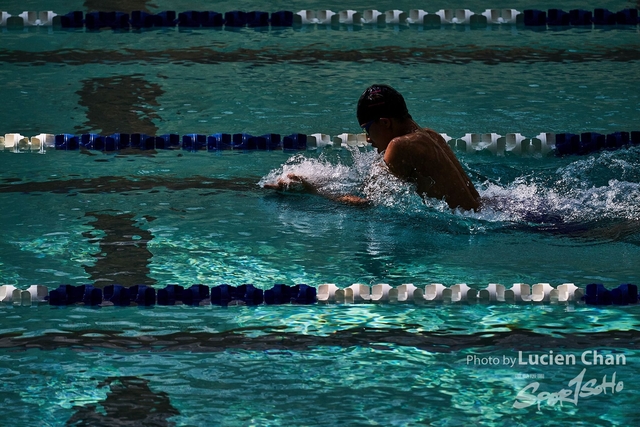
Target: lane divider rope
(259, 19)
(544, 143)
(327, 293)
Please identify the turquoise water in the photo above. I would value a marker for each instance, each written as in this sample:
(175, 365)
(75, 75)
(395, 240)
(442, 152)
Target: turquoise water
(318, 365)
(166, 217)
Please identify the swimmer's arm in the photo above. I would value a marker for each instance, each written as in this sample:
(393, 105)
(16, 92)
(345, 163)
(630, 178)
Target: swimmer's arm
(306, 186)
(350, 199)
(294, 183)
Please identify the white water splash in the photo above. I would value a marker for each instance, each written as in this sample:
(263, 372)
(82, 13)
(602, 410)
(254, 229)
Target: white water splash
(366, 176)
(573, 193)
(324, 176)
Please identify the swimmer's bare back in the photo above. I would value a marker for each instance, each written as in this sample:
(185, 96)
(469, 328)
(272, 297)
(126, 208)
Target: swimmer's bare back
(424, 158)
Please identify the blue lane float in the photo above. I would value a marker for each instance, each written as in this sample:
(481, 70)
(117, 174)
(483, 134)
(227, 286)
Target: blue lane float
(195, 295)
(143, 295)
(283, 18)
(170, 295)
(295, 141)
(283, 294)
(597, 294)
(194, 142)
(219, 141)
(195, 19)
(327, 293)
(543, 144)
(70, 20)
(226, 295)
(579, 17)
(140, 19)
(605, 17)
(70, 295)
(259, 19)
(117, 295)
(114, 20)
(67, 142)
(235, 19)
(558, 17)
(589, 142)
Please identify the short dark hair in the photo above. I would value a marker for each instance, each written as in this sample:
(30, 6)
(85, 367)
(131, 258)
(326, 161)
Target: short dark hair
(379, 101)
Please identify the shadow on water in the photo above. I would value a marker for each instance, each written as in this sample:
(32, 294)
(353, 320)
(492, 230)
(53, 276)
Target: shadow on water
(130, 402)
(114, 105)
(124, 257)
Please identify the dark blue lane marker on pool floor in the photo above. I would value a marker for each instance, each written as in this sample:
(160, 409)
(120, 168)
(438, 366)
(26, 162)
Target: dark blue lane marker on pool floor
(113, 104)
(275, 338)
(123, 257)
(308, 55)
(122, 185)
(129, 402)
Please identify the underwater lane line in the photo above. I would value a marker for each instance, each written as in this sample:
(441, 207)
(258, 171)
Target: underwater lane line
(210, 342)
(117, 184)
(308, 56)
(123, 257)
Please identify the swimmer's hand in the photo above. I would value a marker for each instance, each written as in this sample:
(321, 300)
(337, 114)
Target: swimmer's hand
(298, 183)
(293, 183)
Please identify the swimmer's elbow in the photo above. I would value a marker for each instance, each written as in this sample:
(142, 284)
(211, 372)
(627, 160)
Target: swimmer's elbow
(350, 199)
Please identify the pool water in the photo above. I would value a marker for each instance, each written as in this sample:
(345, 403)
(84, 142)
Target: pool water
(179, 217)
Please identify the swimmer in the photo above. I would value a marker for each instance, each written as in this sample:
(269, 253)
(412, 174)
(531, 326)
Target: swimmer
(412, 153)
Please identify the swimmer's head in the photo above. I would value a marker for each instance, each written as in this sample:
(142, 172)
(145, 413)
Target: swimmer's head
(381, 101)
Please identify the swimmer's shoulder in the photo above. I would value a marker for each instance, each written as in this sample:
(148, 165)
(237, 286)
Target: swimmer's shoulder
(407, 154)
(422, 141)
(431, 135)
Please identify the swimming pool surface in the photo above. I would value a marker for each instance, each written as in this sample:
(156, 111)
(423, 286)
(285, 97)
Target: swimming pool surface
(161, 217)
